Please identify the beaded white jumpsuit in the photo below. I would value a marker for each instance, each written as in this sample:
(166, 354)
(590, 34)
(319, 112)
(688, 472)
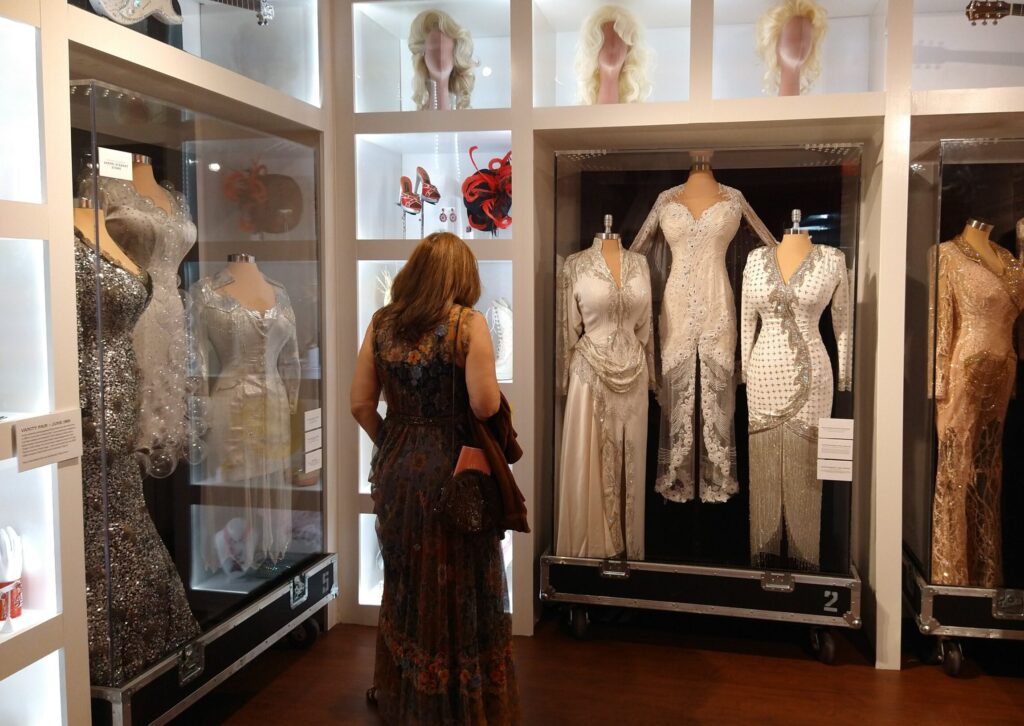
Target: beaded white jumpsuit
(697, 324)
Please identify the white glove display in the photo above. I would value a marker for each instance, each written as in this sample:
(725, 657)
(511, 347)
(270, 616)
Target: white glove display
(10, 555)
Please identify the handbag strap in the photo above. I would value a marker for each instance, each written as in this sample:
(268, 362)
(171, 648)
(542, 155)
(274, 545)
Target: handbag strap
(455, 355)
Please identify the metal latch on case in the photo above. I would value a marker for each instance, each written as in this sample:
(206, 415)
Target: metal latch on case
(191, 662)
(615, 569)
(777, 582)
(300, 590)
(1008, 605)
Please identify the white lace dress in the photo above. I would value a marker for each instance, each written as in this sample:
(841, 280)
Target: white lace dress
(789, 388)
(606, 367)
(697, 325)
(158, 242)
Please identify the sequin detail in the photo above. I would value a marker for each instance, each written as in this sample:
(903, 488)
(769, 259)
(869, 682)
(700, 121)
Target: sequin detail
(140, 614)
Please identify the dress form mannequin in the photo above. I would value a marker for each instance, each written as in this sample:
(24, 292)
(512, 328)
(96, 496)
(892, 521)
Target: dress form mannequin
(793, 249)
(976, 234)
(86, 220)
(439, 55)
(701, 189)
(145, 183)
(248, 286)
(610, 60)
(794, 47)
(611, 250)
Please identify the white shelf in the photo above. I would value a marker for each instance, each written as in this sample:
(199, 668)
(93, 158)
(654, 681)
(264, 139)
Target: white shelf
(23, 220)
(463, 121)
(495, 249)
(36, 634)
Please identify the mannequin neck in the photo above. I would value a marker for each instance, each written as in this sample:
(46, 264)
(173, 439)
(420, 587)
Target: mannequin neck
(145, 183)
(244, 271)
(439, 58)
(610, 60)
(977, 238)
(611, 245)
(795, 242)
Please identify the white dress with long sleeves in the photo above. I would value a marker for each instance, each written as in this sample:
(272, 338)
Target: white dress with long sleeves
(606, 367)
(697, 323)
(789, 388)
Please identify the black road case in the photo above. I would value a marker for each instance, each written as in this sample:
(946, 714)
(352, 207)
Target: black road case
(819, 600)
(949, 612)
(171, 686)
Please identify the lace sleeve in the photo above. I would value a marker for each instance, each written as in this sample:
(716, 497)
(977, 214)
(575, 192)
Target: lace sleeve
(642, 241)
(748, 319)
(288, 366)
(842, 321)
(945, 321)
(202, 359)
(645, 326)
(753, 221)
(570, 323)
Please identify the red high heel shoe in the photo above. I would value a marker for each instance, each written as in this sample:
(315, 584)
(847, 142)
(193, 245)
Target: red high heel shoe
(409, 201)
(429, 193)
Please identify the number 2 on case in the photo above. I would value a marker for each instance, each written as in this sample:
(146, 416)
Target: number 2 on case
(831, 598)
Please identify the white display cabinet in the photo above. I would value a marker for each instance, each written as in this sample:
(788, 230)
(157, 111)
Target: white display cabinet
(20, 179)
(41, 682)
(556, 33)
(384, 67)
(376, 276)
(383, 160)
(852, 54)
(950, 52)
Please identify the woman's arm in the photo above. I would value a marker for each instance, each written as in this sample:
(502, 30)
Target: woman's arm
(481, 380)
(365, 392)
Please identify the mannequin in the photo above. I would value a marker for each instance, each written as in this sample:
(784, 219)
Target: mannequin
(789, 38)
(145, 183)
(609, 62)
(701, 189)
(89, 221)
(612, 60)
(792, 251)
(249, 287)
(442, 62)
(976, 234)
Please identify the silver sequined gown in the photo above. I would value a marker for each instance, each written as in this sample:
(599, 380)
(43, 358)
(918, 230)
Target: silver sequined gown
(789, 388)
(147, 615)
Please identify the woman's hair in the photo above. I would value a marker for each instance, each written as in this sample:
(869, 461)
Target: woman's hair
(634, 83)
(441, 272)
(769, 30)
(462, 80)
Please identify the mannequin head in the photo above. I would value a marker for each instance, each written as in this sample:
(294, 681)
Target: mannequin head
(791, 33)
(441, 48)
(603, 25)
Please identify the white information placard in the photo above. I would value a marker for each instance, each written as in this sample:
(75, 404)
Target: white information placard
(314, 439)
(314, 419)
(115, 164)
(830, 470)
(840, 449)
(314, 460)
(48, 439)
(835, 428)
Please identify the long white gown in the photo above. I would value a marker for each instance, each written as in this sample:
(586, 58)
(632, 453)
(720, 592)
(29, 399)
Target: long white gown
(697, 324)
(789, 388)
(606, 367)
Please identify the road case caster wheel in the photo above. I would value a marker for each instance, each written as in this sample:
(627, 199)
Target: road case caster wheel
(305, 634)
(579, 621)
(952, 657)
(823, 645)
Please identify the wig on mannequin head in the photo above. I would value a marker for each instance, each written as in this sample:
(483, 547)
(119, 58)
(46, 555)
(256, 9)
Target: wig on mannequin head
(769, 30)
(634, 82)
(462, 80)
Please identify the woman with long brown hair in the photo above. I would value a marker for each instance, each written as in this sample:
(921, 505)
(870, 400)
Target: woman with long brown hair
(444, 651)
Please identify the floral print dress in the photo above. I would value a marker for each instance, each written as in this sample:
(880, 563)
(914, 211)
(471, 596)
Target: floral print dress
(444, 651)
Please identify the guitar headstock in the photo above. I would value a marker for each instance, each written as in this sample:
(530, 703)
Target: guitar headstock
(986, 11)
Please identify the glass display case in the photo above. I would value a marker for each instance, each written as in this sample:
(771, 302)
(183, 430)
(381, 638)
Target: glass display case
(275, 42)
(409, 185)
(197, 262)
(963, 518)
(569, 36)
(732, 470)
(20, 153)
(836, 47)
(398, 69)
(976, 47)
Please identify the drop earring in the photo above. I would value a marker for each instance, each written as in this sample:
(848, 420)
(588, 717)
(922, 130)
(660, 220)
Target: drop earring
(451, 216)
(444, 217)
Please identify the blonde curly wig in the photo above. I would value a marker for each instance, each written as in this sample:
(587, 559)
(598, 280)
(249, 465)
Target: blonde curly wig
(769, 30)
(462, 80)
(634, 81)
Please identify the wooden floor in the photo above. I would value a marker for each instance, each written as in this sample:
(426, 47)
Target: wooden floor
(648, 669)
